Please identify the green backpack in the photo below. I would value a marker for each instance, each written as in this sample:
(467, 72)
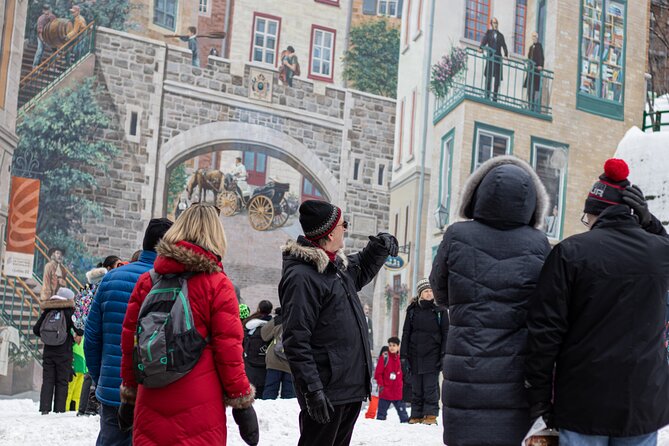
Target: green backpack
(167, 344)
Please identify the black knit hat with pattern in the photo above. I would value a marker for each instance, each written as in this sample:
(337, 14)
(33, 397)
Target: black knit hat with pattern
(318, 218)
(608, 190)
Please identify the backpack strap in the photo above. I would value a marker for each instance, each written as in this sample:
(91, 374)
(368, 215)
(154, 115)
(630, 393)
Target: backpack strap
(385, 360)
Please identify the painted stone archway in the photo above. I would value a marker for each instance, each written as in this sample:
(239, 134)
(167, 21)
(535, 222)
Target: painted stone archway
(200, 139)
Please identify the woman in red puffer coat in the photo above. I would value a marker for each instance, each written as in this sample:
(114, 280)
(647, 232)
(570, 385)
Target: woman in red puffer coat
(191, 410)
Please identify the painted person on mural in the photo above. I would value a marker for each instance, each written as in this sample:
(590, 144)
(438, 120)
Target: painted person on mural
(54, 274)
(493, 43)
(43, 20)
(239, 172)
(325, 335)
(191, 38)
(290, 67)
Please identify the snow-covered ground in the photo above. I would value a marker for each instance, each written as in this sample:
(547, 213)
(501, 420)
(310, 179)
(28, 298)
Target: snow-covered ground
(22, 425)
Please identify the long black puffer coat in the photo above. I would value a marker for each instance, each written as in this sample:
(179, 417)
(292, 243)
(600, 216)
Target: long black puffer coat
(324, 327)
(424, 336)
(485, 271)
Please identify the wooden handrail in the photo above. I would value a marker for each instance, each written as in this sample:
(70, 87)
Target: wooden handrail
(56, 54)
(22, 294)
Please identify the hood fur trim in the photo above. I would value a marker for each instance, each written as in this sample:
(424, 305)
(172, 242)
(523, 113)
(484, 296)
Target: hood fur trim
(475, 179)
(192, 260)
(56, 304)
(313, 255)
(95, 275)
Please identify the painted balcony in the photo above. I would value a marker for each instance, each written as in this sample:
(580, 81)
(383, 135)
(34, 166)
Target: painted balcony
(513, 95)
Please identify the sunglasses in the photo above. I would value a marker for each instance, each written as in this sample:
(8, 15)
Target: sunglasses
(585, 221)
(344, 224)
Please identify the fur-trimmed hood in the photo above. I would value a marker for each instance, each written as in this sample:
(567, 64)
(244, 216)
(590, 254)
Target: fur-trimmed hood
(505, 191)
(185, 256)
(305, 251)
(95, 275)
(56, 304)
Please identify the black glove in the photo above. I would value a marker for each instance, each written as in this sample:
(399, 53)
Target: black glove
(388, 241)
(544, 410)
(319, 406)
(633, 197)
(126, 412)
(247, 421)
(406, 367)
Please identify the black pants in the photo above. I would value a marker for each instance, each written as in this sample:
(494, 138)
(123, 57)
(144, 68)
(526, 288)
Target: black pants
(337, 432)
(56, 374)
(425, 395)
(256, 376)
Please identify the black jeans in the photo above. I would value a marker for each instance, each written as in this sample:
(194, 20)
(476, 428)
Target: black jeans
(337, 432)
(56, 374)
(425, 399)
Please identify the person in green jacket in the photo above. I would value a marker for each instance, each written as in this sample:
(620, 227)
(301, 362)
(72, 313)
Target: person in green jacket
(79, 369)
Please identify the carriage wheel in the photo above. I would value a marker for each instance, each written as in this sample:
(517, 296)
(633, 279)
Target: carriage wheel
(228, 203)
(261, 213)
(281, 216)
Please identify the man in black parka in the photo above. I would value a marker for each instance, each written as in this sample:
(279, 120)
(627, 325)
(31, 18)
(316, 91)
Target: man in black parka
(325, 335)
(423, 345)
(596, 364)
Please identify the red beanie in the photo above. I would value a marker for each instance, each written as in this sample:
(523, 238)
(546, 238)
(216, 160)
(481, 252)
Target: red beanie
(608, 190)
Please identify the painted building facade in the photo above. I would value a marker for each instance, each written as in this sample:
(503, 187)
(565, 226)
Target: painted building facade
(592, 90)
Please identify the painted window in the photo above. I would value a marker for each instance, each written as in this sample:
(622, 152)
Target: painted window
(489, 142)
(322, 53)
(445, 166)
(204, 7)
(400, 139)
(256, 168)
(476, 19)
(165, 13)
(381, 175)
(413, 122)
(388, 8)
(519, 30)
(407, 23)
(309, 191)
(541, 20)
(549, 160)
(419, 18)
(357, 169)
(266, 31)
(602, 62)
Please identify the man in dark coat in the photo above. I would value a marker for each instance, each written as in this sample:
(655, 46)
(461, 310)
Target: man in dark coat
(596, 365)
(485, 272)
(423, 344)
(492, 44)
(532, 82)
(324, 329)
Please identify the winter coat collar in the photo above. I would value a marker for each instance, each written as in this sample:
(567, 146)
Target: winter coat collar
(307, 252)
(618, 215)
(501, 203)
(56, 304)
(174, 258)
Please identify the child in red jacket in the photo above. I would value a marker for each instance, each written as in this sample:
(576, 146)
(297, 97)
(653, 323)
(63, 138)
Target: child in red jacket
(388, 375)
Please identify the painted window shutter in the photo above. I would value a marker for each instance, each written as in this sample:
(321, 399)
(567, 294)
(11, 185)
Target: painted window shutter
(400, 5)
(369, 7)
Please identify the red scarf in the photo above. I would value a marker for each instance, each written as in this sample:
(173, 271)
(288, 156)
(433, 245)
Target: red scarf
(331, 255)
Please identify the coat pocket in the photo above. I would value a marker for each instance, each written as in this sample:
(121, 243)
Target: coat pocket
(322, 360)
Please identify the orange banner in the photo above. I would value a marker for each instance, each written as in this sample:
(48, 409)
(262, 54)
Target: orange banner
(21, 227)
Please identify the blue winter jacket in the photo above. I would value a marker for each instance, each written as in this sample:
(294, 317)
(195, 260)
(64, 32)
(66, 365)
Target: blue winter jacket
(102, 344)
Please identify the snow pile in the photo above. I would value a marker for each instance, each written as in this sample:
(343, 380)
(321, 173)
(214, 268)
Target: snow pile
(21, 424)
(647, 155)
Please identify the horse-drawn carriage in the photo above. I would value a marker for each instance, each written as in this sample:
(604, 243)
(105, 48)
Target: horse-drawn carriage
(268, 206)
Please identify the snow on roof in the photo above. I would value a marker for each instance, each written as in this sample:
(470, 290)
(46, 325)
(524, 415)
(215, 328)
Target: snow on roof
(647, 155)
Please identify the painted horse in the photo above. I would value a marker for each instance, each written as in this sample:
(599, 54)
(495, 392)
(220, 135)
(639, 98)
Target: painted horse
(205, 180)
